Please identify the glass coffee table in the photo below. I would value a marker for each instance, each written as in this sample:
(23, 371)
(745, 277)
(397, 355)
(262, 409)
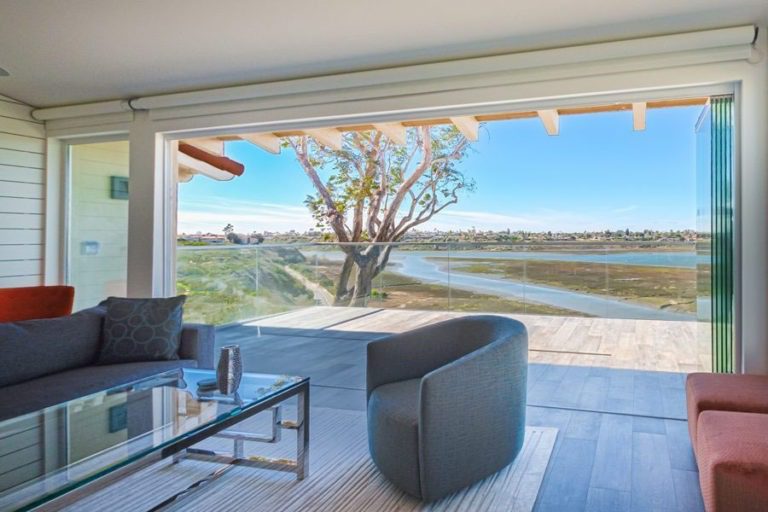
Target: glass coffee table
(56, 456)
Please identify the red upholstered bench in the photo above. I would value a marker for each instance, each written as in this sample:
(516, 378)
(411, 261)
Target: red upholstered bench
(732, 455)
(33, 302)
(723, 392)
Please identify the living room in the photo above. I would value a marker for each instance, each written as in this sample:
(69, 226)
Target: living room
(138, 378)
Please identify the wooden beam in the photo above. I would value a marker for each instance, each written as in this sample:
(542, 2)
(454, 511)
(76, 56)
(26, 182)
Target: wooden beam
(505, 116)
(212, 145)
(501, 116)
(200, 167)
(638, 116)
(551, 121)
(265, 141)
(330, 137)
(185, 174)
(468, 126)
(396, 132)
(218, 161)
(615, 107)
(684, 102)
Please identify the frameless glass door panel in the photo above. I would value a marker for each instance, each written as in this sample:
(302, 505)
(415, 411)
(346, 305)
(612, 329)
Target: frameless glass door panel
(98, 221)
(714, 144)
(704, 229)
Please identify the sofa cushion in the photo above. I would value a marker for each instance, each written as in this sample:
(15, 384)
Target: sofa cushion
(393, 432)
(142, 330)
(724, 392)
(34, 348)
(60, 387)
(733, 460)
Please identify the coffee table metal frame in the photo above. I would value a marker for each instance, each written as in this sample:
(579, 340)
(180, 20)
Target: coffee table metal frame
(184, 448)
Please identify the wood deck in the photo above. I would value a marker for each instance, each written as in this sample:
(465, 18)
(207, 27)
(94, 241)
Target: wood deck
(613, 388)
(655, 345)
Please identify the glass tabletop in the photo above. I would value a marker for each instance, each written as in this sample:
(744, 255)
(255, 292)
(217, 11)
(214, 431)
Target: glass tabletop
(47, 453)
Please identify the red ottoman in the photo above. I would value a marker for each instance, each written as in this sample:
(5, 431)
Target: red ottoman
(724, 392)
(733, 461)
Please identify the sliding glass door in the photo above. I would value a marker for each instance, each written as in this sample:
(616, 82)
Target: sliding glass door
(97, 228)
(714, 141)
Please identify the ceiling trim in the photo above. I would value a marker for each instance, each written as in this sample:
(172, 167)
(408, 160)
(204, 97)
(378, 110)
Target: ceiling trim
(734, 43)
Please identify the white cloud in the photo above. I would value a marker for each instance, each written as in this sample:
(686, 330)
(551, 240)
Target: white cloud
(216, 212)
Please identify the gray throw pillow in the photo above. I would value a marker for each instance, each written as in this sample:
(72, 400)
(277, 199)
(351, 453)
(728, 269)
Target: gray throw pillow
(35, 348)
(141, 330)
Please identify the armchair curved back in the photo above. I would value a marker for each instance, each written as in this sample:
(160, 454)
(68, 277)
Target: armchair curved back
(471, 396)
(413, 354)
(472, 411)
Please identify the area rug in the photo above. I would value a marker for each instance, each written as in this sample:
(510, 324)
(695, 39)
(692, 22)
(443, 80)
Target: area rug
(342, 477)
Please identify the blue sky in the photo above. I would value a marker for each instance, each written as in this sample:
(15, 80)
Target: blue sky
(597, 174)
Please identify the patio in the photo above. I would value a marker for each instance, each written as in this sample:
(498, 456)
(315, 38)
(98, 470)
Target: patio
(613, 388)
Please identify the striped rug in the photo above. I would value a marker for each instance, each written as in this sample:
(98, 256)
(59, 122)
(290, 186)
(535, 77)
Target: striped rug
(342, 477)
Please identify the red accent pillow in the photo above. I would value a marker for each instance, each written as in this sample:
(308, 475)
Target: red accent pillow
(33, 302)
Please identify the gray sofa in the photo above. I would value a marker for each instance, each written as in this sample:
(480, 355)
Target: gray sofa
(45, 362)
(446, 403)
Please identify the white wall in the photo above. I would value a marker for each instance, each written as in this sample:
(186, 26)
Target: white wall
(22, 195)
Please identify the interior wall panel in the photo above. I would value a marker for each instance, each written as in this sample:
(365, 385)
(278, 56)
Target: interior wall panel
(22, 195)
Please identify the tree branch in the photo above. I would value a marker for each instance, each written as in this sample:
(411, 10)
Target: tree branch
(423, 166)
(428, 212)
(335, 219)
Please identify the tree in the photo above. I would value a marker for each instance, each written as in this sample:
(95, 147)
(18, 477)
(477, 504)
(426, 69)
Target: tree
(229, 233)
(376, 191)
(237, 239)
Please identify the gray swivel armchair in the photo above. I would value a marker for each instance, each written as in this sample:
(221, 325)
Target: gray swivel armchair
(446, 403)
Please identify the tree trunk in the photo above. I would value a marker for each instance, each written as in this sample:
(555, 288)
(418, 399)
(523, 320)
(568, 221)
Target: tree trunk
(366, 265)
(364, 282)
(342, 286)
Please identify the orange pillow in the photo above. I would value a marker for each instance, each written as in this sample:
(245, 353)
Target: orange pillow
(34, 302)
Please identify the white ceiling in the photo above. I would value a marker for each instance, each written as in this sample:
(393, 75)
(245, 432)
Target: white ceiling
(86, 50)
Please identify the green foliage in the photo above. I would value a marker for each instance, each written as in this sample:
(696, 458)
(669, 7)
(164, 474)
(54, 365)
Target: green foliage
(310, 272)
(369, 164)
(379, 295)
(225, 286)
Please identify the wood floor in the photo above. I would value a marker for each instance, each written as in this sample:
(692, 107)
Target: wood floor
(623, 440)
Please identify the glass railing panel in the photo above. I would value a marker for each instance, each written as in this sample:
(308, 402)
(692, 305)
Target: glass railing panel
(654, 281)
(619, 280)
(235, 283)
(488, 278)
(317, 267)
(564, 279)
(417, 276)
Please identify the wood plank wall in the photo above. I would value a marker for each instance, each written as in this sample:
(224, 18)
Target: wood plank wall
(22, 195)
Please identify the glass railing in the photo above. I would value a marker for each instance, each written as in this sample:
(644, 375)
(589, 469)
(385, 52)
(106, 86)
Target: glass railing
(639, 280)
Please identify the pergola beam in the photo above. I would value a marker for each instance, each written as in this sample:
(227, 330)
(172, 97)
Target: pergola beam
(330, 137)
(210, 145)
(200, 167)
(396, 132)
(638, 116)
(551, 121)
(265, 141)
(468, 126)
